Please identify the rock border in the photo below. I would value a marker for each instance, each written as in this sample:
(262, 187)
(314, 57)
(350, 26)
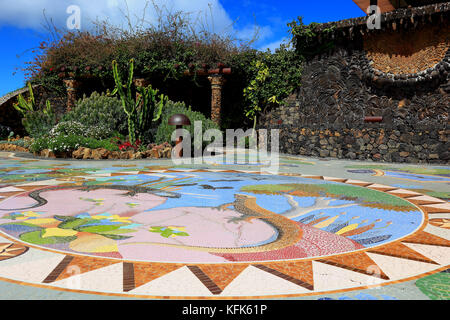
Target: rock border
(158, 152)
(163, 151)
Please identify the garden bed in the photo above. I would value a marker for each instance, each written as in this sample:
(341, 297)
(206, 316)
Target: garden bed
(163, 151)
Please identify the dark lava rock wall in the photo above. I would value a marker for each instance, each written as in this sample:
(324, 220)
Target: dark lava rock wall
(338, 90)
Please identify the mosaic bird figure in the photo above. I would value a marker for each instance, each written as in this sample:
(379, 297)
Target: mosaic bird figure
(208, 187)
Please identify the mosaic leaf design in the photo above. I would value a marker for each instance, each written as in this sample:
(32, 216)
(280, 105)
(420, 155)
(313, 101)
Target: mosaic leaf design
(36, 237)
(436, 286)
(169, 232)
(99, 228)
(73, 224)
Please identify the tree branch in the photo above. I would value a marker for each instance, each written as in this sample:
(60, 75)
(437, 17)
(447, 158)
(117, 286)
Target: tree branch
(320, 203)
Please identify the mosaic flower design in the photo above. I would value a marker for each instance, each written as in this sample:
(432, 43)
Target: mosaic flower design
(97, 202)
(170, 232)
(101, 230)
(11, 250)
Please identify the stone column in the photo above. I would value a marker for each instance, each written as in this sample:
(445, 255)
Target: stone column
(71, 87)
(140, 82)
(217, 82)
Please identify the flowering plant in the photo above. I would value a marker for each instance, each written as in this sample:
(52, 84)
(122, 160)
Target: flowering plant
(99, 131)
(67, 143)
(127, 145)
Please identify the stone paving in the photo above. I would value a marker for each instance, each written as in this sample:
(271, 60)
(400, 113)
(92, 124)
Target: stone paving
(317, 229)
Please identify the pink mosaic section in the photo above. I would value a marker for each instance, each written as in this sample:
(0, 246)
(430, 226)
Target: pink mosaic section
(314, 243)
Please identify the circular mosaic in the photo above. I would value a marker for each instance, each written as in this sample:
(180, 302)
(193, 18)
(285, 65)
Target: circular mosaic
(207, 217)
(160, 231)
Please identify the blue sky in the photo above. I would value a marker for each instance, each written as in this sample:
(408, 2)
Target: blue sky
(21, 22)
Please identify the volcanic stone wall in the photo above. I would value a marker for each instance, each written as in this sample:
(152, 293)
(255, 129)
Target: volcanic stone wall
(339, 89)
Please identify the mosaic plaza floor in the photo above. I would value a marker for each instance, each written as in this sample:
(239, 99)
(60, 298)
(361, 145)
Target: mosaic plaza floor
(319, 229)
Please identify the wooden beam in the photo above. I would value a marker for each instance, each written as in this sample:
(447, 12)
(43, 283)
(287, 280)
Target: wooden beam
(385, 5)
(200, 72)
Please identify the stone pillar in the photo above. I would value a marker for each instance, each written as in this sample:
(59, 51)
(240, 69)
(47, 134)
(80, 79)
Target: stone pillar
(217, 82)
(71, 87)
(140, 82)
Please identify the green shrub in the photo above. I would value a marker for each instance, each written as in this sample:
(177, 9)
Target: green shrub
(99, 110)
(164, 132)
(63, 143)
(38, 123)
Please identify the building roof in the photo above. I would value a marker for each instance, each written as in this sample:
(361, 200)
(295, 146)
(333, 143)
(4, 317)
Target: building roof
(402, 15)
(391, 5)
(402, 18)
(385, 5)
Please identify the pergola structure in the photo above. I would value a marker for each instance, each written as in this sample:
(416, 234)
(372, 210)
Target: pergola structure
(391, 5)
(216, 77)
(217, 80)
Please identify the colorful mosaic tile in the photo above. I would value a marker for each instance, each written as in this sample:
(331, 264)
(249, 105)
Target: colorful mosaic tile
(159, 231)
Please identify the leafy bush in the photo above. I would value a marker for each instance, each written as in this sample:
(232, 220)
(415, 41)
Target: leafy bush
(98, 111)
(168, 47)
(64, 143)
(38, 123)
(305, 37)
(164, 132)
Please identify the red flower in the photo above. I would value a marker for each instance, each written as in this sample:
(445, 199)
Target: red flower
(127, 145)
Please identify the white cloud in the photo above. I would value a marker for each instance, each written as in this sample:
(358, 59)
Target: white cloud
(30, 14)
(251, 31)
(274, 45)
(210, 13)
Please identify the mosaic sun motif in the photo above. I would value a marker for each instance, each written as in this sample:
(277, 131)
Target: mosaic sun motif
(206, 217)
(158, 230)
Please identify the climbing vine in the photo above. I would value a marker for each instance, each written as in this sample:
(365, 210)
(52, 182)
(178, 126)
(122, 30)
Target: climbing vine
(273, 77)
(304, 37)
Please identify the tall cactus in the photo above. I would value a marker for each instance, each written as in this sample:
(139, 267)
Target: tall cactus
(139, 111)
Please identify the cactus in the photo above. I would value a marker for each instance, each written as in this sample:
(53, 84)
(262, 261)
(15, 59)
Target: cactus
(28, 105)
(141, 111)
(48, 108)
(35, 122)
